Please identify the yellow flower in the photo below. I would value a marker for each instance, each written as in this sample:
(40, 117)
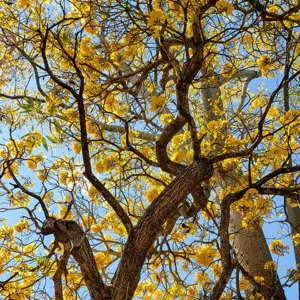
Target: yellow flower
(102, 259)
(259, 279)
(224, 6)
(92, 27)
(94, 194)
(3, 154)
(247, 41)
(266, 66)
(203, 279)
(270, 265)
(110, 162)
(42, 174)
(21, 225)
(99, 166)
(206, 255)
(257, 296)
(273, 113)
(296, 239)
(244, 284)
(274, 9)
(22, 3)
(31, 164)
(226, 296)
(192, 291)
(63, 177)
(85, 46)
(179, 156)
(96, 228)
(157, 102)
(216, 270)
(166, 118)
(277, 247)
(251, 219)
(156, 17)
(77, 147)
(91, 127)
(292, 202)
(152, 193)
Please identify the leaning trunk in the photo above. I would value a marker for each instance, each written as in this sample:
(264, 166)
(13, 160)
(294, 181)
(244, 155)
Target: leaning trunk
(249, 245)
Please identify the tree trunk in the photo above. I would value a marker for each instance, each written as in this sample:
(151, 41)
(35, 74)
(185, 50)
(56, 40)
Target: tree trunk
(249, 245)
(253, 253)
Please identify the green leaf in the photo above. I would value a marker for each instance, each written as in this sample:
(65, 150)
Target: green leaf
(52, 108)
(51, 139)
(44, 142)
(57, 126)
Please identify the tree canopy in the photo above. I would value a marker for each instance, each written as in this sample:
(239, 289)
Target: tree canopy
(145, 144)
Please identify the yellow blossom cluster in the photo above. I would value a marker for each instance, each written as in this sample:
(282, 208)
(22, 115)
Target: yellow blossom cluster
(96, 228)
(107, 164)
(102, 259)
(94, 194)
(259, 279)
(158, 102)
(92, 128)
(20, 199)
(22, 3)
(166, 118)
(277, 247)
(92, 27)
(33, 160)
(266, 65)
(227, 295)
(253, 208)
(203, 279)
(21, 225)
(156, 21)
(296, 239)
(224, 6)
(66, 177)
(247, 41)
(86, 46)
(63, 177)
(42, 174)
(77, 147)
(180, 156)
(4, 153)
(263, 63)
(271, 265)
(153, 192)
(6, 233)
(111, 222)
(244, 284)
(206, 255)
(257, 296)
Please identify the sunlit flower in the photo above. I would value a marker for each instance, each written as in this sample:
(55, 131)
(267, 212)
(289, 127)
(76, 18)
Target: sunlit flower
(296, 239)
(225, 7)
(157, 102)
(63, 177)
(206, 255)
(277, 247)
(271, 265)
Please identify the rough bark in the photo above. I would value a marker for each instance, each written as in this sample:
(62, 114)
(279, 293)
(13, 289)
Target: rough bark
(144, 233)
(140, 238)
(69, 231)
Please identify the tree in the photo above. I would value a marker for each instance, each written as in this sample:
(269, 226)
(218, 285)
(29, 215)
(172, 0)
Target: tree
(144, 145)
